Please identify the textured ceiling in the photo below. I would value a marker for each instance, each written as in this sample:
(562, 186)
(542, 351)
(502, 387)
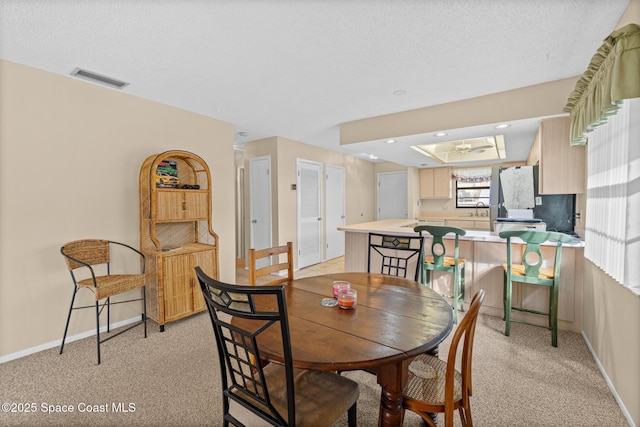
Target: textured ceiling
(298, 69)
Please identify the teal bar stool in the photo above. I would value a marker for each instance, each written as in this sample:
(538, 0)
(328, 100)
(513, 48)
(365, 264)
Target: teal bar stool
(530, 271)
(438, 261)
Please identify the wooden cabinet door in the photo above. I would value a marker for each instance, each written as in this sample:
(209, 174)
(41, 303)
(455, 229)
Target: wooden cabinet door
(442, 183)
(170, 205)
(178, 286)
(561, 166)
(426, 183)
(206, 261)
(196, 205)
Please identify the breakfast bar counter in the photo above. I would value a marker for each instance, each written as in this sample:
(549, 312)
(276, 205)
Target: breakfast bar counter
(485, 253)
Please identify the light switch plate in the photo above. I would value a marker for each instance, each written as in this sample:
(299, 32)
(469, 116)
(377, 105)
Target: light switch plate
(538, 201)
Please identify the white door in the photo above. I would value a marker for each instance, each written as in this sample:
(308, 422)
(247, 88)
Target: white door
(260, 201)
(393, 199)
(309, 213)
(335, 213)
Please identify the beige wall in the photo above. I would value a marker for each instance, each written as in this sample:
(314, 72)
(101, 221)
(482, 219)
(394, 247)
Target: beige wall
(70, 154)
(611, 324)
(359, 182)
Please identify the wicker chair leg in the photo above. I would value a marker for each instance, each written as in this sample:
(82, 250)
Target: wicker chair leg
(98, 328)
(66, 327)
(144, 308)
(108, 302)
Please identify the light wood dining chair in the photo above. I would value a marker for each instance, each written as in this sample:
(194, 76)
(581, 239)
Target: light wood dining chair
(438, 261)
(275, 264)
(435, 386)
(276, 392)
(530, 271)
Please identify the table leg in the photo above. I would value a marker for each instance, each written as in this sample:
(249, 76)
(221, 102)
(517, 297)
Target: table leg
(392, 378)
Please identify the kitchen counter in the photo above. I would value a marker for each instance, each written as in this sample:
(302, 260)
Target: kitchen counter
(485, 253)
(404, 227)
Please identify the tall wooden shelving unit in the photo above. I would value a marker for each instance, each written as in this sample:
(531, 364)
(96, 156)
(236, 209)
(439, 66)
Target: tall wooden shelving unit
(176, 236)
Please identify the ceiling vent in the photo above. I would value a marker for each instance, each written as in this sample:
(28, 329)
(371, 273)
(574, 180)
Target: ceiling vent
(97, 78)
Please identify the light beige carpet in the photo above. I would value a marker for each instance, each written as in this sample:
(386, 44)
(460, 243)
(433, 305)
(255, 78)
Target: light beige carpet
(172, 379)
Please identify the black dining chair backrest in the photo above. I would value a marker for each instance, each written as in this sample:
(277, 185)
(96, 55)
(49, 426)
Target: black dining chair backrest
(267, 389)
(399, 256)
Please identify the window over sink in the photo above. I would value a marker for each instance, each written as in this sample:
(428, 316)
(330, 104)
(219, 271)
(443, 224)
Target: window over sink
(472, 187)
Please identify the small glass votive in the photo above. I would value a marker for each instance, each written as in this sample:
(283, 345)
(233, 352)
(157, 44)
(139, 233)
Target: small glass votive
(347, 299)
(339, 285)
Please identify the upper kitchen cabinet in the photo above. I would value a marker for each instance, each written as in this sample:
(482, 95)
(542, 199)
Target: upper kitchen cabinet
(435, 183)
(561, 166)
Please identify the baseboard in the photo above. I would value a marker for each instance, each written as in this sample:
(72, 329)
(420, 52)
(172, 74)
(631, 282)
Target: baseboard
(609, 383)
(71, 338)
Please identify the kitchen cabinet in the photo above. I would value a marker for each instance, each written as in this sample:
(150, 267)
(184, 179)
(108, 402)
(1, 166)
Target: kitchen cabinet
(561, 166)
(176, 234)
(435, 183)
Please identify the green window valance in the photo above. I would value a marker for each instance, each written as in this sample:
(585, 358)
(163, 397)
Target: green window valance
(612, 75)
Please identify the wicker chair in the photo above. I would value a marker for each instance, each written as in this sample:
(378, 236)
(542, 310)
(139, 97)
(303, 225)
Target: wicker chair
(89, 258)
(434, 385)
(255, 272)
(276, 393)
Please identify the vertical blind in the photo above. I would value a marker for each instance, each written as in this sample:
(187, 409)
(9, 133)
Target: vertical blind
(612, 232)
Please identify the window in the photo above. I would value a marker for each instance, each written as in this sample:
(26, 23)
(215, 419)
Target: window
(472, 187)
(612, 231)
(470, 194)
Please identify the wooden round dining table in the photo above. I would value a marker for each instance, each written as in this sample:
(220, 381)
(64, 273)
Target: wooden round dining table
(394, 320)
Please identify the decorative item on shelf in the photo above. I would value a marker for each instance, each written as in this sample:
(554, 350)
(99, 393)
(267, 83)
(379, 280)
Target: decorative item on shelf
(190, 187)
(167, 174)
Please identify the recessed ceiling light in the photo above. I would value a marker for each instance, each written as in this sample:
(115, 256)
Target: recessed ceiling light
(243, 134)
(442, 134)
(373, 157)
(390, 141)
(503, 126)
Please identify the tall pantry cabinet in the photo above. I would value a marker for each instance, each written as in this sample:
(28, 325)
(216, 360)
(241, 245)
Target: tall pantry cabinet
(175, 233)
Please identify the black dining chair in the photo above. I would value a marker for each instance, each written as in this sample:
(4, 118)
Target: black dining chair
(276, 392)
(398, 256)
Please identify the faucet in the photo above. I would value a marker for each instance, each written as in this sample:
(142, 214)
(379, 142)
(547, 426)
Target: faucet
(480, 204)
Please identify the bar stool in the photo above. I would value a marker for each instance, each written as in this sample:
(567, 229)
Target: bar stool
(530, 271)
(438, 261)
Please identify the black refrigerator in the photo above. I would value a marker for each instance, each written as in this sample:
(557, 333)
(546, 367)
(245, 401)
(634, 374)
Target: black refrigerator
(557, 211)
